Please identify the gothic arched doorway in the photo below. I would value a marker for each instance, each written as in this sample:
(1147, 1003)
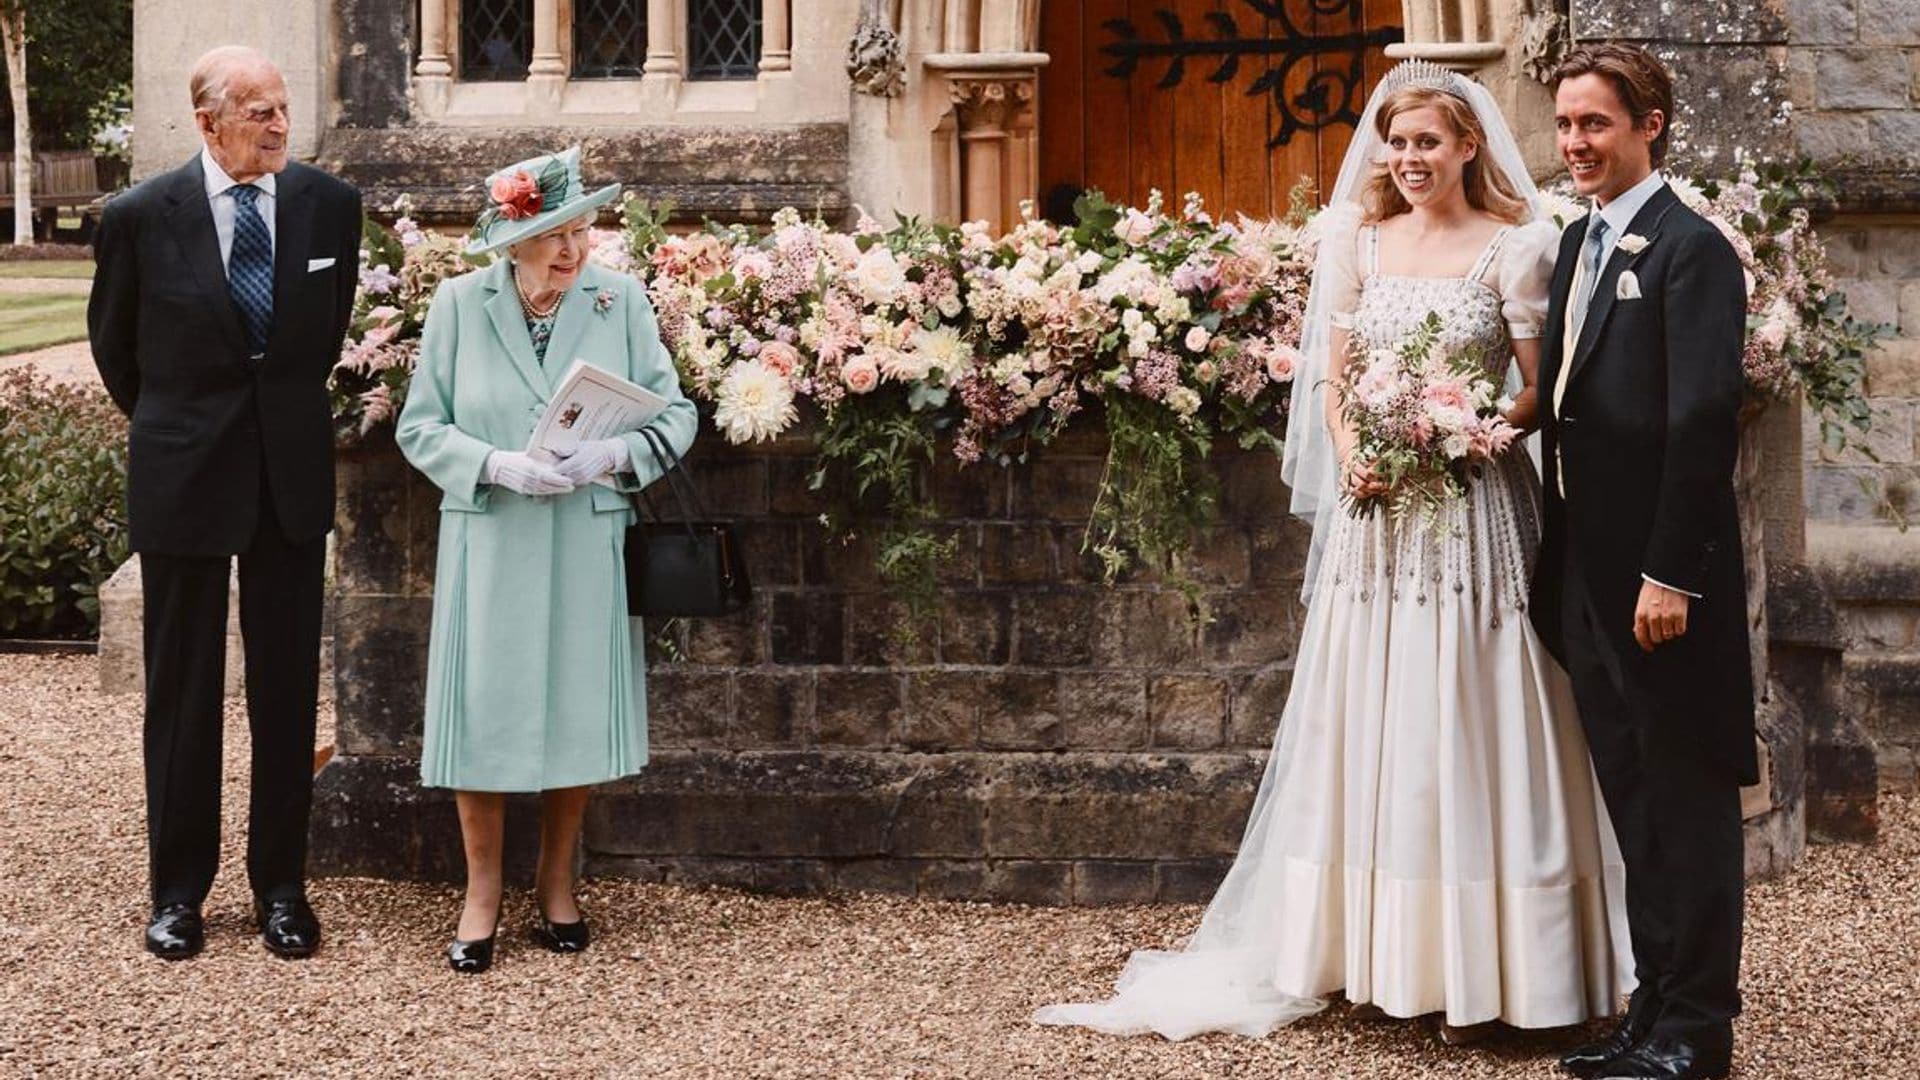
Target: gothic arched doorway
(1235, 99)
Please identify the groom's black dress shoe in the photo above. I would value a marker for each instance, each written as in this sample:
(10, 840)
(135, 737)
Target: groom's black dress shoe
(175, 932)
(1671, 1057)
(1587, 1061)
(288, 928)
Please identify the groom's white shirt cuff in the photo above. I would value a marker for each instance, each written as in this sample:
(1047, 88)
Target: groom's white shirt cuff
(1668, 587)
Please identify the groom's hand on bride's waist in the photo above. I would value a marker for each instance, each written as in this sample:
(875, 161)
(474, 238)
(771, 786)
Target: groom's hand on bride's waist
(1660, 616)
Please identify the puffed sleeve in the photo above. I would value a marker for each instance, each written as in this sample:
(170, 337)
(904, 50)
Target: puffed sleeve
(1525, 274)
(1339, 262)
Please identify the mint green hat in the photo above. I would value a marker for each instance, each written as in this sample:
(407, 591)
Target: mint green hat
(532, 196)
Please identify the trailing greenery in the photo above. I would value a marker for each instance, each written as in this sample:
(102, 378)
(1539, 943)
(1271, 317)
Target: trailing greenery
(63, 485)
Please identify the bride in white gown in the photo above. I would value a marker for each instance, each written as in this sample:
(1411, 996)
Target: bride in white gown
(1428, 837)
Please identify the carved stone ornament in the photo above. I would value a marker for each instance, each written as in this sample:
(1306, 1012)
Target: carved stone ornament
(1544, 41)
(875, 61)
(988, 102)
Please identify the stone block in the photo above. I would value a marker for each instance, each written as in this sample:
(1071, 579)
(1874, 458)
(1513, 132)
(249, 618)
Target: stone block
(958, 879)
(1889, 22)
(1893, 368)
(1017, 553)
(1119, 806)
(941, 807)
(1910, 291)
(1698, 22)
(1889, 439)
(841, 562)
(1822, 22)
(1861, 78)
(737, 640)
(1187, 712)
(854, 708)
(976, 628)
(1054, 628)
(1020, 710)
(792, 877)
(371, 818)
(380, 673)
(1899, 769)
(1100, 883)
(1876, 301)
(1851, 493)
(942, 711)
(1220, 556)
(730, 486)
(771, 710)
(1728, 100)
(1190, 882)
(806, 628)
(1105, 711)
(1256, 702)
(1803, 78)
(372, 526)
(1880, 628)
(899, 877)
(980, 490)
(1055, 488)
(1136, 629)
(688, 708)
(881, 632)
(1894, 135)
(1251, 626)
(1251, 491)
(1832, 137)
(1277, 551)
(789, 493)
(1030, 882)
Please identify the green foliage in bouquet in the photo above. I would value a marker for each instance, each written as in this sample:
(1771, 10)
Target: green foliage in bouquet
(63, 461)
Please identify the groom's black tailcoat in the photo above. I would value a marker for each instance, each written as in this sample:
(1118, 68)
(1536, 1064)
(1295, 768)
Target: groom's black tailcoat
(229, 454)
(1646, 438)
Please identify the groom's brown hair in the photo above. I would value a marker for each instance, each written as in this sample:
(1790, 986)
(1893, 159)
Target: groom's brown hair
(1641, 82)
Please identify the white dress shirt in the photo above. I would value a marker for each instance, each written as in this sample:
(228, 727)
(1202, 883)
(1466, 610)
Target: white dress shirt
(220, 199)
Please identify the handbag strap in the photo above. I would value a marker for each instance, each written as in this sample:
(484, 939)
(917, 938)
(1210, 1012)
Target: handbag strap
(685, 492)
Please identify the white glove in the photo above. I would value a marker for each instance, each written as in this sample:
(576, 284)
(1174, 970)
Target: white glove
(515, 471)
(592, 460)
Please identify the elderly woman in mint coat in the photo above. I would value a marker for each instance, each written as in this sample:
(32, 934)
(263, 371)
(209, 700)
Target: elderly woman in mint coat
(535, 674)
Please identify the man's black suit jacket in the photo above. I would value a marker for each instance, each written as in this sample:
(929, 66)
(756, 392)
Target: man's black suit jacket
(1647, 435)
(206, 419)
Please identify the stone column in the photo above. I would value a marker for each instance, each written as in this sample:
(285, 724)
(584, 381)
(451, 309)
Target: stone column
(433, 74)
(660, 76)
(992, 96)
(1449, 33)
(547, 74)
(776, 38)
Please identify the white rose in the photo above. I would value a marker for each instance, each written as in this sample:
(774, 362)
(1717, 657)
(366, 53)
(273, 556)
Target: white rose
(1197, 339)
(1135, 228)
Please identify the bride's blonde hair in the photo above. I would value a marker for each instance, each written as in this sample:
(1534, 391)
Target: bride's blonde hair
(1488, 189)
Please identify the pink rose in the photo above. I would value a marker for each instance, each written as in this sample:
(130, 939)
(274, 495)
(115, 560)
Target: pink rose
(1197, 339)
(1282, 362)
(861, 374)
(779, 357)
(518, 195)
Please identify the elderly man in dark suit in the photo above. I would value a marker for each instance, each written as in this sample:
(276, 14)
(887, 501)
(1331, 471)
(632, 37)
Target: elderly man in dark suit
(1641, 590)
(222, 293)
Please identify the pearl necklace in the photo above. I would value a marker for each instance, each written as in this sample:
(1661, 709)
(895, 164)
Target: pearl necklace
(526, 305)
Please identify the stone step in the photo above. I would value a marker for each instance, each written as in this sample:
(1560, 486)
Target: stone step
(1873, 574)
(1884, 689)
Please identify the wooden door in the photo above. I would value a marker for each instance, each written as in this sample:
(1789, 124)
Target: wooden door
(1238, 100)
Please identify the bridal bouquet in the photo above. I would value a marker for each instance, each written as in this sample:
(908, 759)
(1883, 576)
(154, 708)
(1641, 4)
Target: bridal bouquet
(1424, 417)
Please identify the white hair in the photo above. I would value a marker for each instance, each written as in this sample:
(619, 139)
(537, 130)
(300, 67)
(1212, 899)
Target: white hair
(214, 72)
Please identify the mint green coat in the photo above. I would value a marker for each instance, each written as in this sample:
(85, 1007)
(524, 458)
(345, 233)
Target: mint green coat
(535, 675)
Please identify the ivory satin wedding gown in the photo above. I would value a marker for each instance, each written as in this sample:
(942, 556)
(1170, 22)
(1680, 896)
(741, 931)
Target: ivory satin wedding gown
(1428, 836)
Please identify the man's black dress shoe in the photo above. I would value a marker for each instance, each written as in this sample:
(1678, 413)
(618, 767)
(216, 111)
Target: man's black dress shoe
(569, 937)
(1662, 1056)
(1587, 1061)
(176, 932)
(288, 928)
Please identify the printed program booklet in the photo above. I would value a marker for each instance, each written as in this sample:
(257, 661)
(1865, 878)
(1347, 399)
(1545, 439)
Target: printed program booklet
(590, 403)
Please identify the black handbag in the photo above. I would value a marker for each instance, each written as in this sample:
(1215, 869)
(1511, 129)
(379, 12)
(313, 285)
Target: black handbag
(690, 567)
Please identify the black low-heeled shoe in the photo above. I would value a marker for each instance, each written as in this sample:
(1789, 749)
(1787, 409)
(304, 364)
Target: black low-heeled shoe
(473, 957)
(562, 937)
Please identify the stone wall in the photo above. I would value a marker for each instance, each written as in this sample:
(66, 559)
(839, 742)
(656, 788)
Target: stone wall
(1049, 739)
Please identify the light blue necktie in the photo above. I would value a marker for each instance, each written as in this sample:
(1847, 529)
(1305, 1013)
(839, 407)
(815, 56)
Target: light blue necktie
(1590, 256)
(250, 268)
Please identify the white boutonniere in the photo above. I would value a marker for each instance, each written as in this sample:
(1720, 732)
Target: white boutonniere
(1628, 287)
(1634, 243)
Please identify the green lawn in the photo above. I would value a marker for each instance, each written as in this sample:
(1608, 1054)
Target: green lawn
(81, 269)
(36, 320)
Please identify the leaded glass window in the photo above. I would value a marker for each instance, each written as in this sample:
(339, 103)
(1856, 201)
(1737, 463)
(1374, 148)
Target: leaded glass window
(609, 38)
(723, 39)
(496, 39)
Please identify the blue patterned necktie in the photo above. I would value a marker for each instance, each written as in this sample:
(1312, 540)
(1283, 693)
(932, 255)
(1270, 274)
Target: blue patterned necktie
(1590, 256)
(250, 268)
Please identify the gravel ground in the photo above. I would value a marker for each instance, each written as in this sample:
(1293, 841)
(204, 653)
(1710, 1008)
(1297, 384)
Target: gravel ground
(712, 983)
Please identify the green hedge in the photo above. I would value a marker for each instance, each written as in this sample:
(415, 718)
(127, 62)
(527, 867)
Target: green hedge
(63, 486)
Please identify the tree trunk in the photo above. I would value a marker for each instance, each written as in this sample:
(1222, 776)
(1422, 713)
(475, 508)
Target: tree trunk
(13, 34)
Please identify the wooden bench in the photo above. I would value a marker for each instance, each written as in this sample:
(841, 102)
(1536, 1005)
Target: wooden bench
(61, 178)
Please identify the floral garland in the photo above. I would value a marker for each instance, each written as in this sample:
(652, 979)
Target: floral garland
(910, 341)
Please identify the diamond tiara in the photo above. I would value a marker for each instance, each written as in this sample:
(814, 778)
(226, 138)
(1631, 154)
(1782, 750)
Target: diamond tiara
(1423, 73)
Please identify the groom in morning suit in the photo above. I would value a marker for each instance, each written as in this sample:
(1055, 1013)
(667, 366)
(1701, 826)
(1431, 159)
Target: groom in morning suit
(221, 295)
(1640, 590)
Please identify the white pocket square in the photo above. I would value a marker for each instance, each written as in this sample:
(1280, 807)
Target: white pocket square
(318, 264)
(1628, 287)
